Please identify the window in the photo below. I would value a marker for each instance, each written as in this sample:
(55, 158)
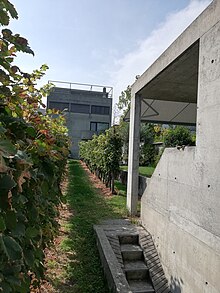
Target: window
(99, 126)
(80, 108)
(101, 110)
(102, 126)
(93, 126)
(59, 106)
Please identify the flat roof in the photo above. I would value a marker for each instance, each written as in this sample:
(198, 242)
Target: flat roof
(168, 88)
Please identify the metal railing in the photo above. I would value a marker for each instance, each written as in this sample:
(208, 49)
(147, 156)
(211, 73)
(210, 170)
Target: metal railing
(84, 86)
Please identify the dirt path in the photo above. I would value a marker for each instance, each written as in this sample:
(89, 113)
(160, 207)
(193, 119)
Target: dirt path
(96, 182)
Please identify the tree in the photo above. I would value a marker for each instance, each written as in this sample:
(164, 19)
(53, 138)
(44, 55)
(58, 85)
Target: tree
(123, 129)
(147, 133)
(178, 136)
(147, 149)
(124, 101)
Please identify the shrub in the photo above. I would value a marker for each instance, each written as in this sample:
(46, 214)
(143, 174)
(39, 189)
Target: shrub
(103, 154)
(147, 149)
(178, 136)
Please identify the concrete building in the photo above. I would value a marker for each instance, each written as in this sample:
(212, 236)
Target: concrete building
(88, 110)
(181, 204)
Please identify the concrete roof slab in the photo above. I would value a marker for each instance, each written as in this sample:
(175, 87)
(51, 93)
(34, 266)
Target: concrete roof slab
(168, 88)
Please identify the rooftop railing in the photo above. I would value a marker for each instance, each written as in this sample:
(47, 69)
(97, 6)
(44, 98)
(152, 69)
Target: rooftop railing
(83, 86)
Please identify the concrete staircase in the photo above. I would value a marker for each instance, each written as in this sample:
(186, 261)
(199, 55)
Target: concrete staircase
(129, 258)
(135, 269)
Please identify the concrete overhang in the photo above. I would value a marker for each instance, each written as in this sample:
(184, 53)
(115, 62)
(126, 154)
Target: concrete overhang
(168, 88)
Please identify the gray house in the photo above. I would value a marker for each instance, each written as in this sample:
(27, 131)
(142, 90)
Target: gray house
(87, 108)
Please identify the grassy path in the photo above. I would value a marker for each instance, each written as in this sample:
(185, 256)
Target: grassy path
(83, 272)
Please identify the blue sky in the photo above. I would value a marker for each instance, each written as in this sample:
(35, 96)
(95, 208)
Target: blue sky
(100, 41)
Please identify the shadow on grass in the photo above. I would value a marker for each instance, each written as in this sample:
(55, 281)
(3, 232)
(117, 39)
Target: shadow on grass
(84, 270)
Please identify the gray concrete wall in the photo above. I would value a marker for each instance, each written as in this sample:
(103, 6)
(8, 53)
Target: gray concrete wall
(78, 124)
(181, 205)
(177, 210)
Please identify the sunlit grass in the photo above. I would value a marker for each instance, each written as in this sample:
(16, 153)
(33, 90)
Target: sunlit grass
(143, 170)
(84, 270)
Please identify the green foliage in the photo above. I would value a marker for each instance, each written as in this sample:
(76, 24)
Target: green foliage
(178, 136)
(7, 10)
(33, 154)
(143, 170)
(124, 133)
(147, 133)
(125, 99)
(147, 149)
(103, 155)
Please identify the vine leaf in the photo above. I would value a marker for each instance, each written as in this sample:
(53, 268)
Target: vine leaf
(21, 179)
(10, 219)
(10, 7)
(11, 248)
(7, 149)
(2, 224)
(7, 183)
(3, 167)
(5, 287)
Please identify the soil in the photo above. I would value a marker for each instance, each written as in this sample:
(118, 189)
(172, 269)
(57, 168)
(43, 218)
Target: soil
(105, 191)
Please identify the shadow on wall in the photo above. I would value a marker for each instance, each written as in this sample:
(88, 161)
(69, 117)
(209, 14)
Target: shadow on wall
(175, 285)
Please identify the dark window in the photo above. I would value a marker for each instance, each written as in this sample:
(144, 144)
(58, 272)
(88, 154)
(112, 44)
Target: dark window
(79, 108)
(59, 106)
(93, 126)
(99, 126)
(102, 110)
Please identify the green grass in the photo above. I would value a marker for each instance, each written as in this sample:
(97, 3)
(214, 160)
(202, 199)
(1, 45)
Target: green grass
(84, 270)
(120, 188)
(143, 170)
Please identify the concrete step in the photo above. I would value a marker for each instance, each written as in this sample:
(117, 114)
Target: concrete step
(131, 252)
(129, 238)
(135, 270)
(141, 287)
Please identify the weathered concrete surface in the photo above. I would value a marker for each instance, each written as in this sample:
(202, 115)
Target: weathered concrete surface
(181, 206)
(194, 32)
(178, 212)
(114, 236)
(133, 155)
(112, 269)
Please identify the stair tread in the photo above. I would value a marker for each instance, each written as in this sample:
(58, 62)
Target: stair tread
(141, 286)
(135, 265)
(131, 238)
(130, 247)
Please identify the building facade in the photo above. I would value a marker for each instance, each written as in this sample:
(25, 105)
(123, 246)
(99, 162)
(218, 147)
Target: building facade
(180, 207)
(87, 111)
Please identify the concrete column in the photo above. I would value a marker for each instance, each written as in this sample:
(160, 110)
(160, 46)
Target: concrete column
(133, 154)
(208, 117)
(208, 130)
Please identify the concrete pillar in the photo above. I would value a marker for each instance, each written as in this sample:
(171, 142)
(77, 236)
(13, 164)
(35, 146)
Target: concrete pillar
(208, 117)
(133, 155)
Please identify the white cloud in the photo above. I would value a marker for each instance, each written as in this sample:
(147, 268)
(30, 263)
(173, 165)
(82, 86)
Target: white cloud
(148, 50)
